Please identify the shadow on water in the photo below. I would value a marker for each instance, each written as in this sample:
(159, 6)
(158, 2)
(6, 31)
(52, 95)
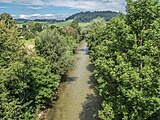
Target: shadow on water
(92, 81)
(90, 68)
(71, 79)
(67, 79)
(90, 108)
(92, 103)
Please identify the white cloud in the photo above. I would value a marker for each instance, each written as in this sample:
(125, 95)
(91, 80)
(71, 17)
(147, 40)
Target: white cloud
(29, 2)
(3, 7)
(6, 1)
(41, 16)
(14, 16)
(34, 8)
(113, 5)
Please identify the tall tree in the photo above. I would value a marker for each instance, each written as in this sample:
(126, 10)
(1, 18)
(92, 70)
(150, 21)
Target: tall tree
(141, 14)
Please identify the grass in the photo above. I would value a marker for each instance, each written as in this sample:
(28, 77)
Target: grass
(59, 24)
(83, 24)
(68, 22)
(29, 42)
(63, 24)
(19, 25)
(22, 23)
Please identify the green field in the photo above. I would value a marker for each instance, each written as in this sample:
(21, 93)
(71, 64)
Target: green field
(29, 42)
(83, 24)
(59, 24)
(68, 22)
(63, 24)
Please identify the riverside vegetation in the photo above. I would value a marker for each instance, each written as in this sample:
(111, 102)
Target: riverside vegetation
(126, 54)
(28, 80)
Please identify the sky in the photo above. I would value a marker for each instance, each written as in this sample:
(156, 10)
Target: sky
(57, 9)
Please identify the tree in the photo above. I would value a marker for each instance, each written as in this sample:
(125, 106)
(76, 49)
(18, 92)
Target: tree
(11, 48)
(37, 27)
(141, 14)
(7, 19)
(57, 48)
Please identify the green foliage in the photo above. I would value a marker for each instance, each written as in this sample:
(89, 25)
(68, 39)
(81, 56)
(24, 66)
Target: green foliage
(94, 29)
(126, 54)
(141, 14)
(42, 83)
(74, 24)
(26, 86)
(29, 81)
(37, 27)
(57, 48)
(10, 46)
(12, 95)
(28, 35)
(7, 19)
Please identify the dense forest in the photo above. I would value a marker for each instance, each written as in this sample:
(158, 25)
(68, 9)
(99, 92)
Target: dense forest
(29, 78)
(88, 16)
(126, 54)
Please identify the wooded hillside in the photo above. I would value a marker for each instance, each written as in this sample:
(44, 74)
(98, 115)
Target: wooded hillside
(88, 16)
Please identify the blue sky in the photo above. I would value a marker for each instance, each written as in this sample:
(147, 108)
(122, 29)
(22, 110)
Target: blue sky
(57, 9)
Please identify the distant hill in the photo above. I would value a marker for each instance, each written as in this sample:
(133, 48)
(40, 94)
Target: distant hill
(88, 16)
(22, 21)
(48, 20)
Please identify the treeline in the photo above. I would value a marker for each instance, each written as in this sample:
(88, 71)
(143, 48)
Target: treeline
(126, 54)
(22, 21)
(30, 30)
(88, 16)
(29, 79)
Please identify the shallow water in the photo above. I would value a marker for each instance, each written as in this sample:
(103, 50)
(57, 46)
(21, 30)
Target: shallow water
(77, 96)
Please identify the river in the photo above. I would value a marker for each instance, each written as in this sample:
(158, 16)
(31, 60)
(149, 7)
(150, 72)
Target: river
(77, 96)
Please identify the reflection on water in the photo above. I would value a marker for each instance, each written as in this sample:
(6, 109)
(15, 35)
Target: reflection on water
(77, 96)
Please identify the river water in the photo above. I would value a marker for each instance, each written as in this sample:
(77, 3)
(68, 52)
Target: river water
(77, 96)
